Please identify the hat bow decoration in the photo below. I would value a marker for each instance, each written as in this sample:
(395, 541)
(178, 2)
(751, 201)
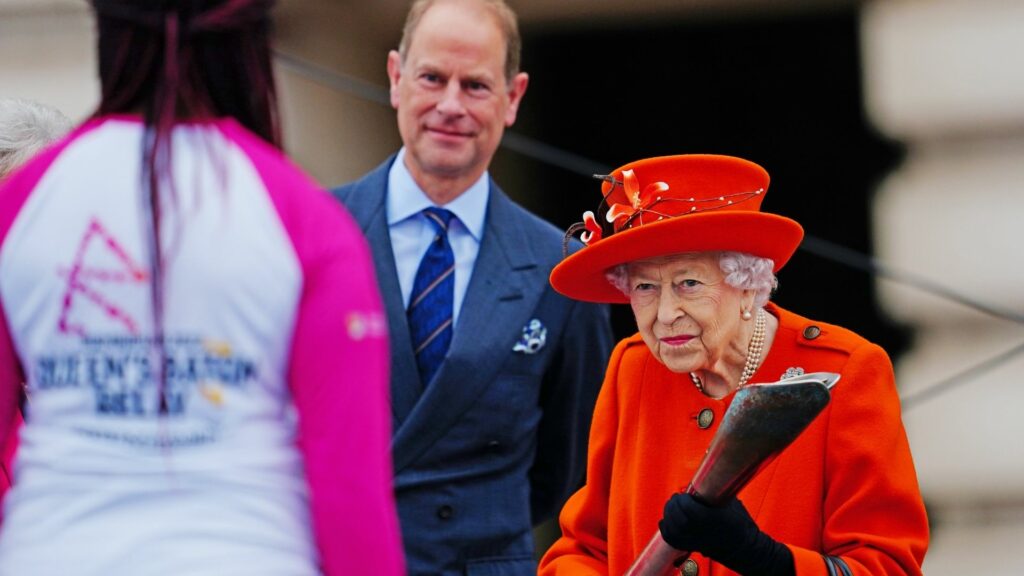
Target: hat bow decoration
(672, 205)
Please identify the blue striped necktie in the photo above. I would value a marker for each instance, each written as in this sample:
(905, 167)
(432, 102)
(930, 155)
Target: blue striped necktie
(433, 298)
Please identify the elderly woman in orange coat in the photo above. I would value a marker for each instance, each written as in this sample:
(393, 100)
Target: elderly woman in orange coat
(695, 258)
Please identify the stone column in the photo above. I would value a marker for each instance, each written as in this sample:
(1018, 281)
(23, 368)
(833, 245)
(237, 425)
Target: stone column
(945, 78)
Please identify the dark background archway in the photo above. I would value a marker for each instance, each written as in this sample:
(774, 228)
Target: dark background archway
(781, 90)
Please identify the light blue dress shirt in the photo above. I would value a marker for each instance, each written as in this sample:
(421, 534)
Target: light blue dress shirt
(411, 234)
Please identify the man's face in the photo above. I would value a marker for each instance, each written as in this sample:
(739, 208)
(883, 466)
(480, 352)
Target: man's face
(451, 94)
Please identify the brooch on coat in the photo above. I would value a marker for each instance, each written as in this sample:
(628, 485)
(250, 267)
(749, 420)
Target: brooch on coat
(792, 373)
(534, 336)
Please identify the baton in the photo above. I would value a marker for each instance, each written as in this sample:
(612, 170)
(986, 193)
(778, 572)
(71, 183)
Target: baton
(761, 422)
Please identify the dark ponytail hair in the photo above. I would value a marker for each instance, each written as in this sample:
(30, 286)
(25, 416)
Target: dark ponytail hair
(172, 60)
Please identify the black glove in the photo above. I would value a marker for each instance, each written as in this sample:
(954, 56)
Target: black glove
(726, 534)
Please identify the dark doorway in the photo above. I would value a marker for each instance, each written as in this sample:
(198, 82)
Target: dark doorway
(783, 91)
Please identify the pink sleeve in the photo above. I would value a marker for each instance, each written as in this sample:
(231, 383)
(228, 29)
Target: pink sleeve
(13, 194)
(10, 381)
(338, 375)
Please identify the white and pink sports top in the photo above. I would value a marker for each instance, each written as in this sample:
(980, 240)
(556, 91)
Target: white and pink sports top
(273, 457)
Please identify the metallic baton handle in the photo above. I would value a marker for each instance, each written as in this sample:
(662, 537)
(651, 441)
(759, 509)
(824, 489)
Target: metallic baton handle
(761, 422)
(658, 558)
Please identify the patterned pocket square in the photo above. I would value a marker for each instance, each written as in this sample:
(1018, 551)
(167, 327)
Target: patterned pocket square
(535, 335)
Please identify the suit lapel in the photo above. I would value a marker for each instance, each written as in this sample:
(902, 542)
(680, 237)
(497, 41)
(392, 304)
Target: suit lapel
(502, 293)
(367, 205)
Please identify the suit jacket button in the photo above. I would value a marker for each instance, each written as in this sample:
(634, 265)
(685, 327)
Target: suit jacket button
(689, 568)
(812, 332)
(705, 418)
(445, 512)
(493, 446)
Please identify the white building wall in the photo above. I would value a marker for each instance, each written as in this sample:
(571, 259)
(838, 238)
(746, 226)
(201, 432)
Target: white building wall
(944, 77)
(47, 53)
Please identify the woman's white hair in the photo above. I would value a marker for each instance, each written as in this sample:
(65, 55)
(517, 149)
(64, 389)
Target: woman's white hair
(25, 128)
(743, 271)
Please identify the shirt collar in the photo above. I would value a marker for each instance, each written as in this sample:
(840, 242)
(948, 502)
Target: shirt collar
(406, 199)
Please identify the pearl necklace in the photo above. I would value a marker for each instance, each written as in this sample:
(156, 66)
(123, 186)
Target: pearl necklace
(754, 349)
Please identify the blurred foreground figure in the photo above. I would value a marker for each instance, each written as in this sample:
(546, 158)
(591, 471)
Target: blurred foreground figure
(206, 371)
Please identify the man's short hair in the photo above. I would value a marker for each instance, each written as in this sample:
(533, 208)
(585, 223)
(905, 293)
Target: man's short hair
(25, 128)
(506, 19)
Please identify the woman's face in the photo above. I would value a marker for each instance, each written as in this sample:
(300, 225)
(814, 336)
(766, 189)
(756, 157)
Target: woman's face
(686, 313)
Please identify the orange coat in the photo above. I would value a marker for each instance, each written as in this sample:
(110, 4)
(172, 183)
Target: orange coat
(846, 487)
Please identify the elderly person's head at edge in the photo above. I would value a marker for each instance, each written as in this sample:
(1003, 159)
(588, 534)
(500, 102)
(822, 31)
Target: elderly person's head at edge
(26, 127)
(695, 259)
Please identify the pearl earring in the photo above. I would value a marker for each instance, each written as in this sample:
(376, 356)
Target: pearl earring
(746, 315)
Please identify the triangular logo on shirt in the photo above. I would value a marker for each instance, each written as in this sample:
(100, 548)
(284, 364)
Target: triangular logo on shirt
(97, 281)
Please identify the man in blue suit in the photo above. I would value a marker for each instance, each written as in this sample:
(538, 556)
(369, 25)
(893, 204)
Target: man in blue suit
(494, 375)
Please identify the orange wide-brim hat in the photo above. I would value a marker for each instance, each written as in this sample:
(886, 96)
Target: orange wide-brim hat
(674, 205)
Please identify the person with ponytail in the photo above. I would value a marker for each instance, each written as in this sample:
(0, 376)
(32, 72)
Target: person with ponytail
(206, 373)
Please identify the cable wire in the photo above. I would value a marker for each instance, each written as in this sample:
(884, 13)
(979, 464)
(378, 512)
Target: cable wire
(873, 266)
(920, 397)
(341, 82)
(574, 163)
